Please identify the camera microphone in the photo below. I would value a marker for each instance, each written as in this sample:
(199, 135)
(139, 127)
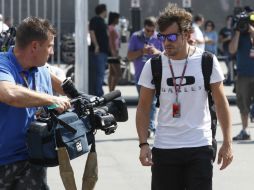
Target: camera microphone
(111, 96)
(105, 98)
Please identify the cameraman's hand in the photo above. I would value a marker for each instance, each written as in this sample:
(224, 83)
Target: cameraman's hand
(145, 156)
(62, 104)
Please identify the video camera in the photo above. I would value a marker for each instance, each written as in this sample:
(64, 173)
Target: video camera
(103, 111)
(242, 20)
(75, 128)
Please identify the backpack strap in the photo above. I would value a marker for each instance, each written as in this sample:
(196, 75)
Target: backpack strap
(207, 67)
(156, 66)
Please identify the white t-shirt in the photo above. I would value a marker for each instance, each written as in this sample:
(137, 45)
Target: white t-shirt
(198, 35)
(193, 128)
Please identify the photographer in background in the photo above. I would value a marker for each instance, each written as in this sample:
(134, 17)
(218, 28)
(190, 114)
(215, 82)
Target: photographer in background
(25, 86)
(242, 44)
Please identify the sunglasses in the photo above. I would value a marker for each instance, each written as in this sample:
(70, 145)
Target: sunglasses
(169, 37)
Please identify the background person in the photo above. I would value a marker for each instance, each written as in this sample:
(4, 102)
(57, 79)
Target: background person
(3, 26)
(198, 21)
(25, 86)
(242, 44)
(211, 37)
(182, 155)
(114, 44)
(98, 50)
(142, 46)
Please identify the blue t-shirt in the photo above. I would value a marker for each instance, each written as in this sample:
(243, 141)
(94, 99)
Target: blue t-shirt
(214, 37)
(245, 64)
(137, 42)
(14, 121)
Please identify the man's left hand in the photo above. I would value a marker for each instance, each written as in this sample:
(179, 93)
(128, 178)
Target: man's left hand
(225, 155)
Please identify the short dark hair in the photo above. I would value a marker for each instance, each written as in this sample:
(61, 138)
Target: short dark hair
(112, 17)
(198, 17)
(209, 22)
(100, 9)
(173, 14)
(33, 29)
(150, 21)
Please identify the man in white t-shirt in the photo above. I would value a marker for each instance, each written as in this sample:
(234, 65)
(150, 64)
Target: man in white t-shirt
(182, 155)
(198, 21)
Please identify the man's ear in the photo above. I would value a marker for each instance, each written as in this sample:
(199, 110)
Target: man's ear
(186, 35)
(34, 46)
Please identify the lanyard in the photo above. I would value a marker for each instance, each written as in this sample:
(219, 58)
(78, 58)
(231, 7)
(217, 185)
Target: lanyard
(178, 87)
(23, 75)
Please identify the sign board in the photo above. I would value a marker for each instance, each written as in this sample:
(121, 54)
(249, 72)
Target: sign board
(135, 3)
(186, 3)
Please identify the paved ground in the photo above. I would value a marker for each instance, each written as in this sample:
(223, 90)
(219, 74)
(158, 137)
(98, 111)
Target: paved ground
(119, 167)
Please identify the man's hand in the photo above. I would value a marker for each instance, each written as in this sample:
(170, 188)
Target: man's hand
(251, 30)
(225, 155)
(96, 49)
(145, 156)
(62, 104)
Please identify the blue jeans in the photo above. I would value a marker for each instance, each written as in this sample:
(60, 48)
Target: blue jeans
(152, 112)
(97, 66)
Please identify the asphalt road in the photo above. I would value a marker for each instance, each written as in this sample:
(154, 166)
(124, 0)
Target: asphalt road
(119, 167)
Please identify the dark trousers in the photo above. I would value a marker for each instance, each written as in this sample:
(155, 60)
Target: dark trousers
(23, 176)
(182, 169)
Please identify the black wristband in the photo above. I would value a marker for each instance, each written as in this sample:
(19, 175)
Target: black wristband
(143, 144)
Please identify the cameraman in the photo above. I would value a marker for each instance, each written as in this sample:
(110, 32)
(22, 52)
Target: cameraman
(25, 86)
(242, 44)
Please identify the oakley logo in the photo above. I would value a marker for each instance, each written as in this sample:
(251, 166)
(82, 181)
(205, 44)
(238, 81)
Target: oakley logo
(188, 80)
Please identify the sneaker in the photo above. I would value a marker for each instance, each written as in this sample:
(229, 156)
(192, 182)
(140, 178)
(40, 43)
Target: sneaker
(241, 136)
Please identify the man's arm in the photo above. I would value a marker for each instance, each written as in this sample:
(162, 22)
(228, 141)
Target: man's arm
(233, 45)
(222, 109)
(142, 123)
(19, 96)
(148, 49)
(94, 41)
(56, 84)
(132, 55)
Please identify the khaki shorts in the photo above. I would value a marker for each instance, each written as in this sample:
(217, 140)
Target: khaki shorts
(244, 93)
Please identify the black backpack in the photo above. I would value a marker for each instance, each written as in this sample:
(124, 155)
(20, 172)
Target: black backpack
(207, 67)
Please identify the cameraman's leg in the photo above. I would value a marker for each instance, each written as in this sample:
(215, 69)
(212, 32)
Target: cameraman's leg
(244, 95)
(167, 170)
(20, 176)
(199, 169)
(34, 178)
